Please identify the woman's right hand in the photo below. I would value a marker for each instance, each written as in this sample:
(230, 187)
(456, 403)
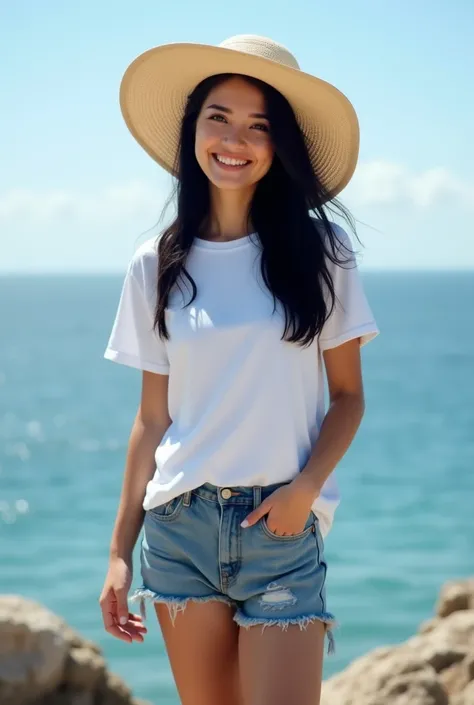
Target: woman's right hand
(118, 621)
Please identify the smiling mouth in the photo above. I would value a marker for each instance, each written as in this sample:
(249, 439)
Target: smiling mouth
(231, 163)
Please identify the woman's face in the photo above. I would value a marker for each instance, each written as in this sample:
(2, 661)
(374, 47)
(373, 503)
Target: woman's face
(233, 145)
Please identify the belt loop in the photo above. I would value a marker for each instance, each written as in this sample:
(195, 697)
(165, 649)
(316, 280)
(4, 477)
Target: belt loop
(257, 497)
(187, 499)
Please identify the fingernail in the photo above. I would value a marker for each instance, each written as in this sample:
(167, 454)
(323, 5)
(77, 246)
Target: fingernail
(123, 620)
(244, 524)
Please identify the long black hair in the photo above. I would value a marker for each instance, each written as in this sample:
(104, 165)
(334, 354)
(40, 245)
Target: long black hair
(288, 211)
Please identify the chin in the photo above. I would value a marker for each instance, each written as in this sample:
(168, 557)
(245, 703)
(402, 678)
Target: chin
(231, 185)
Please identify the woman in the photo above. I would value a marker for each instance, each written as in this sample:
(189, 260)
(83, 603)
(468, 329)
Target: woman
(231, 316)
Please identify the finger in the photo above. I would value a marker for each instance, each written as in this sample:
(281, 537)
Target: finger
(122, 606)
(274, 530)
(135, 619)
(132, 631)
(112, 628)
(108, 608)
(134, 627)
(135, 634)
(119, 634)
(137, 627)
(257, 514)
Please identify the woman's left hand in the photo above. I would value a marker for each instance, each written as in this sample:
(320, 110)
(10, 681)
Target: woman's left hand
(287, 509)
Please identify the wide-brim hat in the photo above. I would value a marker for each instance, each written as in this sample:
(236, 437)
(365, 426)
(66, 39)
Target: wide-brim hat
(156, 86)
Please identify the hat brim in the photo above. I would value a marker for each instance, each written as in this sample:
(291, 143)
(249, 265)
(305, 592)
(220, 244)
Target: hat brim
(156, 86)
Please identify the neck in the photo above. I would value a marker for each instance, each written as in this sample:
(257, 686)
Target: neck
(228, 218)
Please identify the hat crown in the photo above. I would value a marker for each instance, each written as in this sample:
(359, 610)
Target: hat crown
(261, 46)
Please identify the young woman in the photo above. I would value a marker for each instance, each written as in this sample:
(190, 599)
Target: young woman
(232, 315)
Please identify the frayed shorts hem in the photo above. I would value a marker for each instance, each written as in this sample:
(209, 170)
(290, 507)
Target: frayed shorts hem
(302, 622)
(178, 604)
(175, 604)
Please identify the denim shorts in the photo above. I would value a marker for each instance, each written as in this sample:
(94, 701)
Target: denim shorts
(194, 548)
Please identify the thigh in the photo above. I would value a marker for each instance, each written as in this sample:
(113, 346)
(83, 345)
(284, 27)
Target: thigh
(202, 646)
(280, 666)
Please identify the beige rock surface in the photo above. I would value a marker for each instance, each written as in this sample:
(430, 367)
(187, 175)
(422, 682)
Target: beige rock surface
(434, 667)
(455, 596)
(43, 661)
(466, 697)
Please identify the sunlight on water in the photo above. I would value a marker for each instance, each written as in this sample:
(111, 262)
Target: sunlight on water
(405, 521)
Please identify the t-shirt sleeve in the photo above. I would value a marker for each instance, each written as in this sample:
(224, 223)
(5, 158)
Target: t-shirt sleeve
(352, 316)
(133, 341)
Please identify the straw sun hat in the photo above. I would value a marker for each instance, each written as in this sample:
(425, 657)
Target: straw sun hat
(156, 85)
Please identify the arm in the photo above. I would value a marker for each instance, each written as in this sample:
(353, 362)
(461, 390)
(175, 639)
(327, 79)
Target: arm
(288, 507)
(349, 326)
(346, 409)
(151, 422)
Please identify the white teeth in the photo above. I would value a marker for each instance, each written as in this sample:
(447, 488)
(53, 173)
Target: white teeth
(230, 162)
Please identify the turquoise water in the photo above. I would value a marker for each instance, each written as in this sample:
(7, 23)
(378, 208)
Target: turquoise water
(405, 524)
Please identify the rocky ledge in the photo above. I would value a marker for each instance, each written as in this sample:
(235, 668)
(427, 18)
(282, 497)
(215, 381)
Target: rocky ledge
(434, 667)
(43, 661)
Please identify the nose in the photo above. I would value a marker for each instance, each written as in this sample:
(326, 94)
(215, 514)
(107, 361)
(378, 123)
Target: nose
(234, 136)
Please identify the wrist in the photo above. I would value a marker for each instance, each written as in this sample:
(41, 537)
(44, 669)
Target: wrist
(308, 484)
(116, 555)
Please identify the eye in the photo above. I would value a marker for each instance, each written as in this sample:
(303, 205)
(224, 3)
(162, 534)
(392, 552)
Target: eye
(218, 118)
(261, 127)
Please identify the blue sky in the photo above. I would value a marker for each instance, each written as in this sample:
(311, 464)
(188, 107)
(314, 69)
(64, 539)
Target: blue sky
(78, 194)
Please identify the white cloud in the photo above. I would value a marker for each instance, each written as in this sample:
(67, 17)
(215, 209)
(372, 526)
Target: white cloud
(387, 183)
(112, 204)
(375, 183)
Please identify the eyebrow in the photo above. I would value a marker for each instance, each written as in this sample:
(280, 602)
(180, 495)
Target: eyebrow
(223, 109)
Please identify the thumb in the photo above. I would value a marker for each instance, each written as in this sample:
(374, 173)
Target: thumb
(122, 606)
(257, 514)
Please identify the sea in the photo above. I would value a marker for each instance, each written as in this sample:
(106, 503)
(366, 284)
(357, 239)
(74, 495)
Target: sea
(405, 525)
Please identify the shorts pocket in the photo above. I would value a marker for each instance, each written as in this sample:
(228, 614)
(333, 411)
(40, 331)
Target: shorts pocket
(169, 510)
(309, 527)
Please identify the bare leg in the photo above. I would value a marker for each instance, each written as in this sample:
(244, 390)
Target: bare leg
(202, 646)
(281, 667)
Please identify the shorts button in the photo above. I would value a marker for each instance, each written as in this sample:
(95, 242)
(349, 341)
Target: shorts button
(226, 493)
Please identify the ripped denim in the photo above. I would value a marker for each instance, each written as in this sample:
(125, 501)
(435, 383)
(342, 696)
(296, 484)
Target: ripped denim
(194, 548)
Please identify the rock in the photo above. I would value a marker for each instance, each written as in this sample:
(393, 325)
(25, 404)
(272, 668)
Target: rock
(464, 698)
(420, 688)
(434, 667)
(457, 678)
(33, 651)
(456, 632)
(69, 696)
(74, 639)
(437, 653)
(468, 665)
(456, 596)
(428, 625)
(85, 668)
(115, 692)
(364, 681)
(43, 661)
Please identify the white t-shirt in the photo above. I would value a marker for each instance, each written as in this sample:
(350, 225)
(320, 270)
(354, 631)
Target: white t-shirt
(246, 406)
